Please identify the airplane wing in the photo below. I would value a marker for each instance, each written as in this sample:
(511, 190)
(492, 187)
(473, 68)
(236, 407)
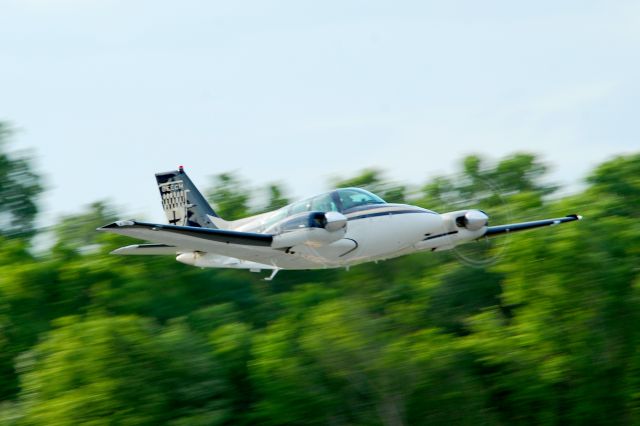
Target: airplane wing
(186, 233)
(523, 226)
(169, 239)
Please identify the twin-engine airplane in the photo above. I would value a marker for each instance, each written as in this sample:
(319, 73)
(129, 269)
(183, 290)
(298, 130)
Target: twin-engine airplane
(339, 228)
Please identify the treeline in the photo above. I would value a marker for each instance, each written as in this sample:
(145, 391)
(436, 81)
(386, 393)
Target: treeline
(537, 328)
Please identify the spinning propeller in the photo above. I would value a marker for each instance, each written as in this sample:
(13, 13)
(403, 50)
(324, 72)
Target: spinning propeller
(484, 251)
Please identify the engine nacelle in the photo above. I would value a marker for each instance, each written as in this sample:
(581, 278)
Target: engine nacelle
(335, 221)
(458, 227)
(309, 228)
(472, 220)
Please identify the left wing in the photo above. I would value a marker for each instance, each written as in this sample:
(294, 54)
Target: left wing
(522, 226)
(187, 233)
(248, 246)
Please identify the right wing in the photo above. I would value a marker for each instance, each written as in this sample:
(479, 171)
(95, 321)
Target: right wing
(523, 226)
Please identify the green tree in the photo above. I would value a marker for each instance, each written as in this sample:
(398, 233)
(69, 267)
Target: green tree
(546, 335)
(521, 172)
(564, 353)
(616, 183)
(229, 196)
(343, 364)
(231, 345)
(79, 230)
(276, 198)
(20, 187)
(120, 370)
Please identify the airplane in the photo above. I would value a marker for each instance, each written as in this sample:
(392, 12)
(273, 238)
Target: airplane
(339, 228)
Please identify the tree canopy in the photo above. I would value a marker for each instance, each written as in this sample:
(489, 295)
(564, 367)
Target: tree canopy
(546, 333)
(20, 186)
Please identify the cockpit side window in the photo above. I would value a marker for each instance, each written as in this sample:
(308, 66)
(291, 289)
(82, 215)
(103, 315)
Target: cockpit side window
(323, 203)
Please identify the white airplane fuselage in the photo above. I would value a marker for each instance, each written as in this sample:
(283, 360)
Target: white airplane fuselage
(376, 232)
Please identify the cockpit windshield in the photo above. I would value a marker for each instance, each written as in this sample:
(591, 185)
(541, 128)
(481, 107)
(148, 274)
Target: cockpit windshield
(354, 197)
(339, 200)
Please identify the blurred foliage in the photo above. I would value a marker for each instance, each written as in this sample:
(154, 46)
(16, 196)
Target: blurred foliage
(229, 196)
(78, 231)
(515, 180)
(546, 335)
(20, 186)
(277, 198)
(123, 369)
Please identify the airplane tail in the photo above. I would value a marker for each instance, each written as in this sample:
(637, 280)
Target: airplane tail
(183, 204)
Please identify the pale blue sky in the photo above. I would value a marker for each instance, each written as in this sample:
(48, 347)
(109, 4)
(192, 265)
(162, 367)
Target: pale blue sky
(107, 92)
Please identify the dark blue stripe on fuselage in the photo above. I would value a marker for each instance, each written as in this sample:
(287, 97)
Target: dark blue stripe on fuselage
(388, 213)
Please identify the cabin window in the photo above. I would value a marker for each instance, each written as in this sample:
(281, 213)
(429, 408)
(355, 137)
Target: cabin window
(299, 207)
(323, 203)
(277, 217)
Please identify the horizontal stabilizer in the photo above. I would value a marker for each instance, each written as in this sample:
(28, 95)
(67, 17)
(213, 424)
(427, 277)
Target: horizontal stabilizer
(523, 226)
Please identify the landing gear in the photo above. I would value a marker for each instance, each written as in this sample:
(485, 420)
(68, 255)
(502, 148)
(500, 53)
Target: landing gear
(273, 274)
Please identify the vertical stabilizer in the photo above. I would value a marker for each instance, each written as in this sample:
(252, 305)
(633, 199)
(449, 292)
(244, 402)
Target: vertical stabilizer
(183, 204)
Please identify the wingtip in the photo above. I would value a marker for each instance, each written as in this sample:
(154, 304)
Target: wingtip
(575, 216)
(119, 250)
